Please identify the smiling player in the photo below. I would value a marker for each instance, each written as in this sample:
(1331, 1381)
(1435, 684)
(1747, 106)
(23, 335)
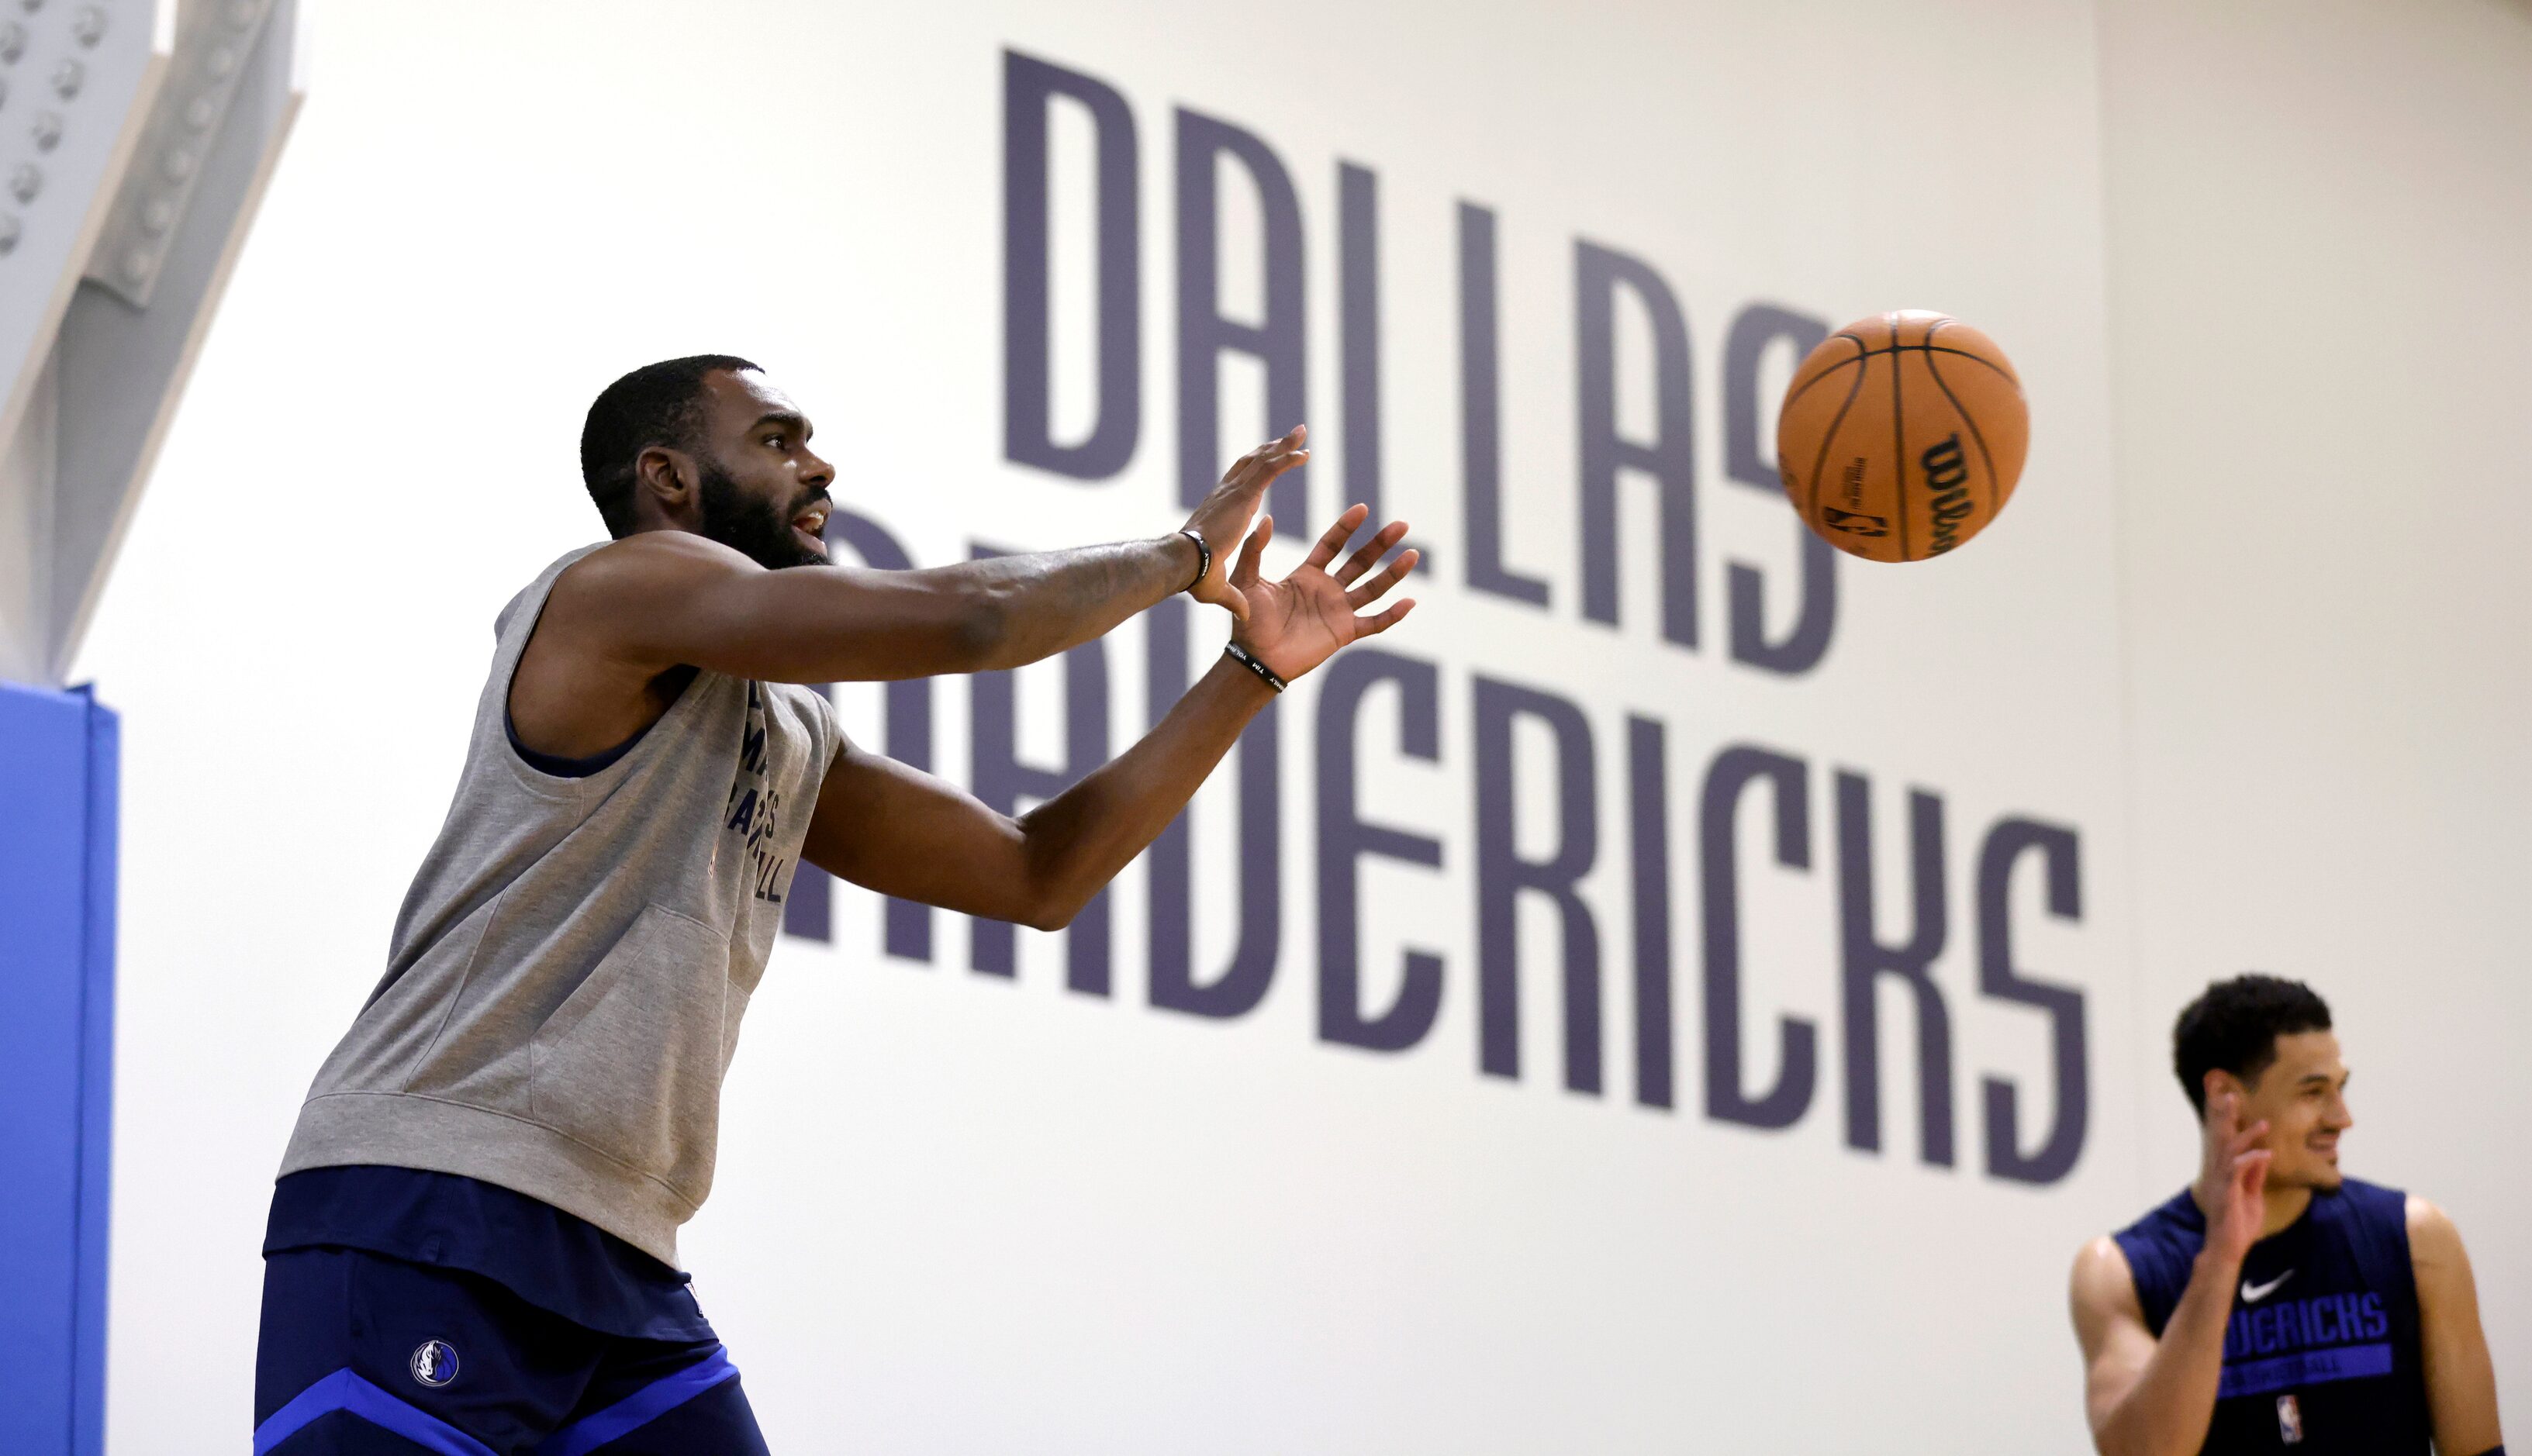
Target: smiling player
(2275, 1305)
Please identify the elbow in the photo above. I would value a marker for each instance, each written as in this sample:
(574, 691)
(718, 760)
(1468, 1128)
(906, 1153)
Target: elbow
(1050, 903)
(1051, 914)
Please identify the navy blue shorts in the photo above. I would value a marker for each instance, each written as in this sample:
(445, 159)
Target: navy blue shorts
(367, 1356)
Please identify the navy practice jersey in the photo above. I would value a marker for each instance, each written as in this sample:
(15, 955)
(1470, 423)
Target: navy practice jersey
(2322, 1353)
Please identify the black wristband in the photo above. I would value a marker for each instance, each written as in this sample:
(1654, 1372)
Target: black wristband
(1203, 559)
(1240, 654)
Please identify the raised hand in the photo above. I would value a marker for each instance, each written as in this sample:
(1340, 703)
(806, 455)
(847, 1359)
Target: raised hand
(1298, 623)
(2234, 1177)
(1223, 515)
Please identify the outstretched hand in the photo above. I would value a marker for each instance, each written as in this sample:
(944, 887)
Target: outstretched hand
(2234, 1177)
(1223, 515)
(1298, 623)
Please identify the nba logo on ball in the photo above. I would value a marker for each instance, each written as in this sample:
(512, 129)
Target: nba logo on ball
(434, 1364)
(2289, 1420)
(1902, 435)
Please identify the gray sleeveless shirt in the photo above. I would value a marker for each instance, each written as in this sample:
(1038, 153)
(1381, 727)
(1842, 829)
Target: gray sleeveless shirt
(564, 987)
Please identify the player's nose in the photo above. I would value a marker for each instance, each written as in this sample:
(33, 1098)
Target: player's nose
(814, 469)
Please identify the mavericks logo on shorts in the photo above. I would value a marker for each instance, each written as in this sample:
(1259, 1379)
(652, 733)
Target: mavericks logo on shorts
(434, 1364)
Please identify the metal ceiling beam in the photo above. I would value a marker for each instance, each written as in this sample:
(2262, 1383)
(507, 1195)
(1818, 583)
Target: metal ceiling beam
(135, 140)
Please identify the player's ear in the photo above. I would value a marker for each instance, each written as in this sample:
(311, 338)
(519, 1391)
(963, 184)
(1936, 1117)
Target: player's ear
(667, 476)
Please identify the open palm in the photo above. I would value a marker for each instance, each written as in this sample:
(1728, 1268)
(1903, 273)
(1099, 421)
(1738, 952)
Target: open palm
(1298, 623)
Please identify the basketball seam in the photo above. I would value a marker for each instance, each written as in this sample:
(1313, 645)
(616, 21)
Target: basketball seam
(1994, 489)
(1805, 387)
(1899, 434)
(1829, 437)
(1936, 349)
(1932, 349)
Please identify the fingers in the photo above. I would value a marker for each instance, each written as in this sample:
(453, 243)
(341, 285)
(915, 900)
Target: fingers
(2223, 1123)
(2224, 1114)
(1257, 470)
(1245, 573)
(1337, 535)
(1289, 443)
(1378, 586)
(1223, 517)
(1374, 626)
(1372, 550)
(2251, 1173)
(2248, 1139)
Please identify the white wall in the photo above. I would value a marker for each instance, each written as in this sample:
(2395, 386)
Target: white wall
(959, 1215)
(2319, 286)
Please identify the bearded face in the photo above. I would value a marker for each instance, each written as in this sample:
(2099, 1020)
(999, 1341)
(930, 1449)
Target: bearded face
(760, 529)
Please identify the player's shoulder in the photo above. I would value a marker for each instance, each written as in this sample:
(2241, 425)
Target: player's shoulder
(2431, 1230)
(652, 551)
(2171, 1224)
(2101, 1283)
(2100, 1259)
(637, 577)
(2157, 1251)
(2172, 1230)
(650, 565)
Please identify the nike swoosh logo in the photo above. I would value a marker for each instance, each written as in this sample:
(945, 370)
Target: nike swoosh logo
(2252, 1293)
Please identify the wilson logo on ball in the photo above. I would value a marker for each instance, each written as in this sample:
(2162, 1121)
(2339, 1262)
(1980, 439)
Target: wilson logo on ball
(1947, 477)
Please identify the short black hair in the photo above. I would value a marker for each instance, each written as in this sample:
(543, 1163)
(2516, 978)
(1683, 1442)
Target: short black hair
(657, 404)
(2235, 1025)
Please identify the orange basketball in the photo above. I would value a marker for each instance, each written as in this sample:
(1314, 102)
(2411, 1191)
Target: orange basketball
(1901, 435)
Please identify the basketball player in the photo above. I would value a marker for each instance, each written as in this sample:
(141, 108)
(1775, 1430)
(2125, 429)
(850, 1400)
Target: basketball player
(2273, 1305)
(473, 1244)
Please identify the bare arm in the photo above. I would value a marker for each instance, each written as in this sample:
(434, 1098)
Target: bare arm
(894, 829)
(902, 832)
(2461, 1380)
(672, 598)
(669, 599)
(2150, 1397)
